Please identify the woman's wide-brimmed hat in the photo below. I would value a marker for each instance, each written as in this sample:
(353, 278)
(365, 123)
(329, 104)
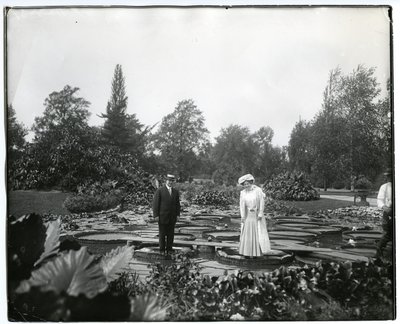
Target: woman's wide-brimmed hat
(246, 177)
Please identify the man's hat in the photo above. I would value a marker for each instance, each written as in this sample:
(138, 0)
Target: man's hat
(170, 177)
(388, 172)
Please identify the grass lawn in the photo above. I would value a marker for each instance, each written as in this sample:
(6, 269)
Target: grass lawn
(315, 205)
(22, 202)
(344, 192)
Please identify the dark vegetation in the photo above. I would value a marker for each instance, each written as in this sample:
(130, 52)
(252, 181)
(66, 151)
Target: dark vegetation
(53, 281)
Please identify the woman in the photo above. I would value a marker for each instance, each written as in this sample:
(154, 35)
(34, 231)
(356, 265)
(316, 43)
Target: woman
(254, 240)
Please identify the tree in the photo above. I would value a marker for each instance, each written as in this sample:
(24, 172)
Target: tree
(61, 135)
(385, 131)
(16, 133)
(358, 101)
(350, 133)
(299, 149)
(120, 129)
(269, 159)
(64, 112)
(115, 130)
(180, 137)
(234, 154)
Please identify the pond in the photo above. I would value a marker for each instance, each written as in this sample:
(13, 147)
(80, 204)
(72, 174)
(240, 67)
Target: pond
(303, 239)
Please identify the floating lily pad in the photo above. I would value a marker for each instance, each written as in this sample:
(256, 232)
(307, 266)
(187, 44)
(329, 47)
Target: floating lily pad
(296, 225)
(146, 233)
(374, 235)
(222, 235)
(338, 256)
(183, 237)
(231, 256)
(101, 242)
(212, 218)
(292, 219)
(291, 234)
(103, 236)
(153, 253)
(194, 229)
(286, 241)
(365, 251)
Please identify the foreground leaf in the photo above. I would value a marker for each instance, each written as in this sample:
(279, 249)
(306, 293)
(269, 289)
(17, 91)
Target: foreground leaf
(114, 262)
(25, 245)
(52, 244)
(73, 272)
(104, 307)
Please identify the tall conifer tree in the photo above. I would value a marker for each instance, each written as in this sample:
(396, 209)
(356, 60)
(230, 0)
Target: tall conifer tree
(115, 129)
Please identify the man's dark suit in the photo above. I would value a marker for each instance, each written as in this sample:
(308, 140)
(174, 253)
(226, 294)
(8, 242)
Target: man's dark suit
(166, 207)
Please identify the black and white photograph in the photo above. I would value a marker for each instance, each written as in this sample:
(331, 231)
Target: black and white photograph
(199, 162)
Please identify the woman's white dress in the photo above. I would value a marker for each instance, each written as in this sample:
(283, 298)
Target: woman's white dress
(254, 239)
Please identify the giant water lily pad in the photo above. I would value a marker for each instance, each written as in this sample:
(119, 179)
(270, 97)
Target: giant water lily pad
(103, 236)
(296, 225)
(222, 235)
(362, 250)
(301, 218)
(338, 256)
(318, 230)
(303, 224)
(213, 218)
(286, 241)
(371, 235)
(182, 237)
(292, 234)
(194, 229)
(146, 233)
(231, 256)
(153, 252)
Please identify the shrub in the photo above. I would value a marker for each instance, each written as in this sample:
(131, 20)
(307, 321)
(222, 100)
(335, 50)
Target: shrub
(290, 186)
(363, 183)
(213, 198)
(86, 203)
(188, 191)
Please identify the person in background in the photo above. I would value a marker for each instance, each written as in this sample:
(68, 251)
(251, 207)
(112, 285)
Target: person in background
(384, 201)
(254, 239)
(166, 208)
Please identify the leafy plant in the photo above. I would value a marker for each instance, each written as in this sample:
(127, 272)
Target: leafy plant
(363, 183)
(215, 198)
(72, 272)
(290, 186)
(115, 260)
(63, 282)
(326, 291)
(25, 244)
(52, 243)
(81, 202)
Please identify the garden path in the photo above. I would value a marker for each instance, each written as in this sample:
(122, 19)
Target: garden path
(372, 201)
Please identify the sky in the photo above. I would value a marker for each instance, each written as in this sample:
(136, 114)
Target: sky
(249, 66)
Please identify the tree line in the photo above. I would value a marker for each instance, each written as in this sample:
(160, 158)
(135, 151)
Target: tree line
(350, 136)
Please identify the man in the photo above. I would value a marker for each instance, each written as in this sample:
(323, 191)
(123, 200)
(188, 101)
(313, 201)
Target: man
(167, 208)
(384, 201)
